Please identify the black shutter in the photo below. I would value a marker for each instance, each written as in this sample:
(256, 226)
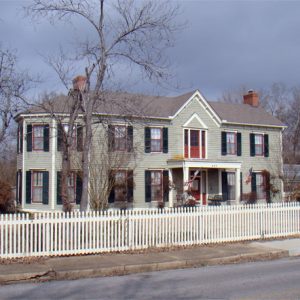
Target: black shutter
(241, 186)
(223, 143)
(79, 134)
(224, 186)
(46, 138)
(111, 180)
(266, 145)
(165, 140)
(78, 188)
(111, 138)
(252, 144)
(267, 186)
(18, 139)
(17, 187)
(21, 139)
(148, 186)
(129, 138)
(29, 138)
(58, 188)
(166, 186)
(59, 137)
(147, 140)
(45, 187)
(253, 182)
(130, 186)
(239, 144)
(28, 187)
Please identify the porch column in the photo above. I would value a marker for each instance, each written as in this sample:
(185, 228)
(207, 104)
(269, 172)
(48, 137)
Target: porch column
(220, 181)
(238, 185)
(171, 192)
(185, 178)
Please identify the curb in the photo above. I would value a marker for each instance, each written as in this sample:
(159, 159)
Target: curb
(141, 268)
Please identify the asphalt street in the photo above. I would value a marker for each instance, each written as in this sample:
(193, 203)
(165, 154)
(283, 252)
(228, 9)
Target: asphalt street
(258, 280)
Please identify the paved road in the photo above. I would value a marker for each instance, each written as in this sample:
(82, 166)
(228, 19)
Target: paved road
(261, 280)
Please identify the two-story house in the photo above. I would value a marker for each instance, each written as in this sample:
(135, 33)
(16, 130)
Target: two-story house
(233, 151)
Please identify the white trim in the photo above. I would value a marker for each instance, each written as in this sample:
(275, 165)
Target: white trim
(53, 140)
(23, 165)
(255, 125)
(204, 105)
(195, 116)
(220, 181)
(203, 164)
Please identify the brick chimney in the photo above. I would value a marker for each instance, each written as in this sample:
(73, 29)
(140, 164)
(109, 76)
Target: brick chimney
(79, 83)
(251, 98)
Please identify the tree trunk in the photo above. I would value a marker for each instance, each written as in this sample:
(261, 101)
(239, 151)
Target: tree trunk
(86, 154)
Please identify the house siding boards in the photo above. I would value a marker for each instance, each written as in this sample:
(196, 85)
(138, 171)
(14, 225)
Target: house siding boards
(195, 116)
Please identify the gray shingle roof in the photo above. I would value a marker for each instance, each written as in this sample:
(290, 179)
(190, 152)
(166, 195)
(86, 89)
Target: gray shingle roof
(244, 113)
(162, 107)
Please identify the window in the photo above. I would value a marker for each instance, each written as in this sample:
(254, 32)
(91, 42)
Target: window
(259, 144)
(156, 139)
(120, 142)
(74, 136)
(260, 186)
(38, 137)
(123, 185)
(156, 186)
(72, 187)
(120, 186)
(231, 185)
(231, 142)
(120, 138)
(194, 143)
(37, 187)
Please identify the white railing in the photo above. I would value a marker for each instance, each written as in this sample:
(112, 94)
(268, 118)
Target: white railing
(56, 233)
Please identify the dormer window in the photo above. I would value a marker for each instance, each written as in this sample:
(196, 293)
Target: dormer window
(194, 143)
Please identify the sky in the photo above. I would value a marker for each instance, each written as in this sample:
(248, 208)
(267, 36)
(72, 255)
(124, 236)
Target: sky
(224, 45)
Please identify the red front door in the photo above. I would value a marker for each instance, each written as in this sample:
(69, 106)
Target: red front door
(198, 186)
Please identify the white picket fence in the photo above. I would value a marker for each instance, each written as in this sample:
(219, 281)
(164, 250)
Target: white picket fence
(56, 233)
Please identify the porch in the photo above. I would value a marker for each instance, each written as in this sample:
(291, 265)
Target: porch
(207, 182)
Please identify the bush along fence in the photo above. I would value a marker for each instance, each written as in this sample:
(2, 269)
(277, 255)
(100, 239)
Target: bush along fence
(56, 233)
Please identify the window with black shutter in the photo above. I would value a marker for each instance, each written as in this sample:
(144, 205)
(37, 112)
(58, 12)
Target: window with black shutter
(78, 187)
(165, 185)
(28, 187)
(147, 140)
(129, 138)
(224, 186)
(266, 145)
(58, 188)
(148, 186)
(223, 143)
(46, 138)
(165, 140)
(239, 144)
(45, 199)
(29, 138)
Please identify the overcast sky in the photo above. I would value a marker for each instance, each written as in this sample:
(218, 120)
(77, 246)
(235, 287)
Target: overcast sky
(226, 44)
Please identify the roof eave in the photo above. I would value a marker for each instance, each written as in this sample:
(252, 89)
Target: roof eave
(253, 124)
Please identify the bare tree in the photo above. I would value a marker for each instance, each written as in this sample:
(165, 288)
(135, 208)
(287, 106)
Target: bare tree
(13, 85)
(126, 31)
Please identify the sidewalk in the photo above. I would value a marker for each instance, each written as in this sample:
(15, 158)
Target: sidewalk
(74, 267)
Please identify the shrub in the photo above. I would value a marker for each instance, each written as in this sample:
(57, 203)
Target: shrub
(7, 204)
